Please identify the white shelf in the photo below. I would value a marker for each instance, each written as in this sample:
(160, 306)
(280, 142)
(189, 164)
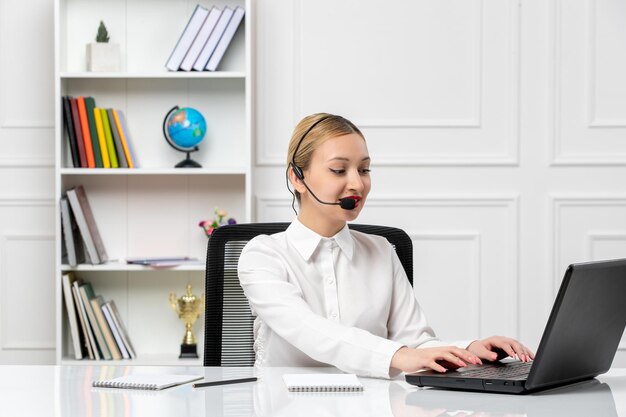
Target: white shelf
(144, 360)
(124, 267)
(154, 171)
(154, 75)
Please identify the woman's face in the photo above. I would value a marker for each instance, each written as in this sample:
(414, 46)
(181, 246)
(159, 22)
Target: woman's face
(339, 168)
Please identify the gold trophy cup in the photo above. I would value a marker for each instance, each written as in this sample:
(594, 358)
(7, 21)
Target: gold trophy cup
(188, 307)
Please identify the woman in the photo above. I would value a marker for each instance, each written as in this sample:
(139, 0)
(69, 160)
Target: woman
(326, 295)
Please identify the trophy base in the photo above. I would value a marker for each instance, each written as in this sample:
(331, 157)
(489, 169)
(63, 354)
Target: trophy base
(188, 352)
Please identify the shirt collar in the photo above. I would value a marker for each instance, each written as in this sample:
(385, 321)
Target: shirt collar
(306, 240)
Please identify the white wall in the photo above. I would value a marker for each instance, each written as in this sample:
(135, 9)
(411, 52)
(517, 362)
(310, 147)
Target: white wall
(496, 129)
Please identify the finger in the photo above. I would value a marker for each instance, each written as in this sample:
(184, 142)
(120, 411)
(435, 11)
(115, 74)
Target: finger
(436, 367)
(483, 352)
(467, 356)
(452, 358)
(507, 348)
(519, 350)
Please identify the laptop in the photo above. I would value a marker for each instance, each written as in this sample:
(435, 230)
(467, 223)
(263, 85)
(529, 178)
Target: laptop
(579, 342)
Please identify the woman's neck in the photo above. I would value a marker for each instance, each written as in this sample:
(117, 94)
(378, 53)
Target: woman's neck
(322, 228)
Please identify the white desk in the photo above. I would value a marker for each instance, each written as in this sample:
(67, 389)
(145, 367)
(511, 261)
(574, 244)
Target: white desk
(37, 391)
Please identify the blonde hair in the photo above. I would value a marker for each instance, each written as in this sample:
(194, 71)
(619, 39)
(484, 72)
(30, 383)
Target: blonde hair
(326, 126)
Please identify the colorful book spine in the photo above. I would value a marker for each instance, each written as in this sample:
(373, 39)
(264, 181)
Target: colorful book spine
(78, 132)
(129, 141)
(120, 132)
(102, 141)
(107, 134)
(121, 158)
(84, 125)
(87, 294)
(90, 104)
(71, 135)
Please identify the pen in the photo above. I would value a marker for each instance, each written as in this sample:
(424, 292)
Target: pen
(224, 382)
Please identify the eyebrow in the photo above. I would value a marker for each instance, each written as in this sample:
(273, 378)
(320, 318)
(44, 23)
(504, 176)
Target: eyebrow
(341, 158)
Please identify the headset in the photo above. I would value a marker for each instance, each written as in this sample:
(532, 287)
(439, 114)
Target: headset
(346, 203)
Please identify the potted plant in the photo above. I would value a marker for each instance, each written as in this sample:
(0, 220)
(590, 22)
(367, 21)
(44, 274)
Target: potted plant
(103, 56)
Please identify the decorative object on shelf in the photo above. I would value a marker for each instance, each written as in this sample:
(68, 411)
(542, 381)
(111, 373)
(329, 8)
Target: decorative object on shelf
(188, 307)
(103, 56)
(184, 129)
(218, 220)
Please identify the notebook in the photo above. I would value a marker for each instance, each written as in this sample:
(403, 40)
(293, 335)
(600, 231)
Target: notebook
(579, 342)
(322, 383)
(146, 382)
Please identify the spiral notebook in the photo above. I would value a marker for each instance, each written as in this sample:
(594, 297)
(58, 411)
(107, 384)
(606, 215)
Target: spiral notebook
(146, 382)
(322, 383)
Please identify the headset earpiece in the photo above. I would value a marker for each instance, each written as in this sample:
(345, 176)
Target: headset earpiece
(297, 171)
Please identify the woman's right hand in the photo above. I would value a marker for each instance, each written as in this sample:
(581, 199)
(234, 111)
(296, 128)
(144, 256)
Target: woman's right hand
(439, 359)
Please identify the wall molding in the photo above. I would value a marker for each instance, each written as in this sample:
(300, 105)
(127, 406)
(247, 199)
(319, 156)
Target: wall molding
(559, 201)
(7, 343)
(269, 156)
(557, 156)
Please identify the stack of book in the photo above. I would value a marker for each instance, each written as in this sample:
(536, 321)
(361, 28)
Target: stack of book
(81, 238)
(98, 138)
(96, 326)
(205, 39)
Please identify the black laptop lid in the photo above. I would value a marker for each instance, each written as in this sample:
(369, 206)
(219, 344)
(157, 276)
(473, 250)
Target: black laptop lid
(585, 326)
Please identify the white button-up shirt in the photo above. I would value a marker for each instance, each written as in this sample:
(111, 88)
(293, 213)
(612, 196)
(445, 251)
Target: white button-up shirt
(344, 301)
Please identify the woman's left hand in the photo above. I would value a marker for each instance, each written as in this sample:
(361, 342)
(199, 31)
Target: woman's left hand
(498, 347)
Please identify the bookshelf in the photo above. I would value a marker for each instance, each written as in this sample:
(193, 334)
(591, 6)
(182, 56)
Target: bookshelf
(152, 210)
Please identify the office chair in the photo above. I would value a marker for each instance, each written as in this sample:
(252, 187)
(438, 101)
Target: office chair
(228, 322)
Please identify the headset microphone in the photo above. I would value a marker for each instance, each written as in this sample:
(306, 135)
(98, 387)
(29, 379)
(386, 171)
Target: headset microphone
(346, 203)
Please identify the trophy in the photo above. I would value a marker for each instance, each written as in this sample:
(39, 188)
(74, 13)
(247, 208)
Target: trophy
(188, 307)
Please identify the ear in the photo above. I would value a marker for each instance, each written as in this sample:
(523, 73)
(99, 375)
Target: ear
(296, 182)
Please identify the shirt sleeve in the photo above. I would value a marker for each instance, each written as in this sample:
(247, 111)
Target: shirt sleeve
(279, 303)
(407, 322)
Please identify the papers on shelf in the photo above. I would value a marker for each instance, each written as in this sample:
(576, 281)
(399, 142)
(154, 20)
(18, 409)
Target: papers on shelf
(164, 262)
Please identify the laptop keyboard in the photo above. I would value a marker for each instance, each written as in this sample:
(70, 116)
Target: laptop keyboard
(510, 371)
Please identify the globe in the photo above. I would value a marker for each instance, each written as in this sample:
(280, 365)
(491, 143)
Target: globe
(184, 129)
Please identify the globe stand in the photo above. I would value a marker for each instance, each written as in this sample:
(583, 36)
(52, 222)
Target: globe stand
(188, 163)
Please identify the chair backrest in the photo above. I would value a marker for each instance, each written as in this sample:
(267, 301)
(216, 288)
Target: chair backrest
(228, 321)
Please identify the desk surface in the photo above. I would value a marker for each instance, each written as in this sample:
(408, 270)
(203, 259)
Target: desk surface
(64, 391)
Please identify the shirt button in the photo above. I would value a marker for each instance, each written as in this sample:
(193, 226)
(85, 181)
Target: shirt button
(330, 281)
(333, 315)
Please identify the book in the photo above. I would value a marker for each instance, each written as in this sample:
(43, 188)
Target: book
(117, 319)
(86, 295)
(124, 126)
(96, 305)
(67, 280)
(69, 127)
(90, 104)
(120, 132)
(190, 32)
(322, 383)
(71, 235)
(222, 45)
(84, 125)
(146, 381)
(213, 40)
(78, 133)
(201, 39)
(102, 141)
(108, 315)
(109, 138)
(121, 158)
(87, 224)
(88, 338)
